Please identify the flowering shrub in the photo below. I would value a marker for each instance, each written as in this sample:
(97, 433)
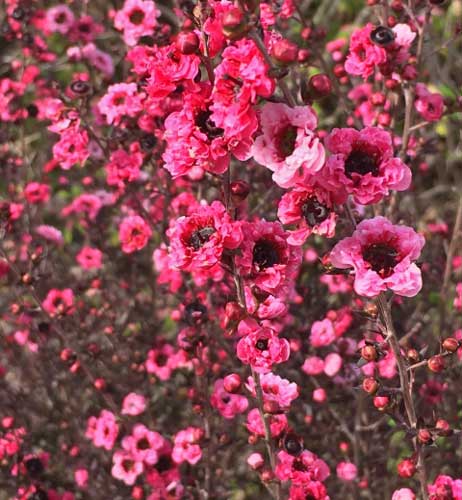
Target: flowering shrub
(231, 250)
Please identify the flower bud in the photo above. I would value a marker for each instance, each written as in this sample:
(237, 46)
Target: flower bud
(187, 42)
(370, 385)
(443, 427)
(436, 364)
(413, 356)
(369, 353)
(232, 383)
(381, 402)
(424, 436)
(255, 461)
(233, 24)
(319, 86)
(406, 468)
(450, 344)
(284, 51)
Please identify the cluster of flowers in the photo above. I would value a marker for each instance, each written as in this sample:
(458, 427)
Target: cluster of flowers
(162, 154)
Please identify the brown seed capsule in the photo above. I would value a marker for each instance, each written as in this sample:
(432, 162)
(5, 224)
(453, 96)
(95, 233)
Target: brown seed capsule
(369, 353)
(413, 356)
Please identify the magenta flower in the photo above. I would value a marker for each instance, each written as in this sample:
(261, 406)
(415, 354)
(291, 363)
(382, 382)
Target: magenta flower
(89, 258)
(362, 164)
(275, 389)
(288, 145)
(134, 233)
(311, 210)
(59, 302)
(59, 19)
(199, 240)
(313, 490)
(260, 346)
(143, 444)
(267, 261)
(186, 447)
(121, 99)
(254, 424)
(382, 256)
(103, 430)
(133, 404)
(229, 405)
(125, 467)
(302, 468)
(135, 19)
(430, 105)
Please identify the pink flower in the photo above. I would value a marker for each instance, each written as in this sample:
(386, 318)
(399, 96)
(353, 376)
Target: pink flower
(133, 404)
(59, 302)
(381, 256)
(125, 467)
(313, 365)
(50, 233)
(81, 477)
(194, 143)
(103, 430)
(333, 364)
(186, 447)
(429, 105)
(347, 471)
(198, 241)
(37, 193)
(446, 487)
(314, 490)
(121, 99)
(124, 167)
(322, 333)
(255, 460)
(319, 395)
(162, 361)
(362, 164)
(260, 346)
(266, 259)
(136, 19)
(143, 444)
(229, 405)
(254, 424)
(403, 494)
(134, 233)
(89, 258)
(301, 469)
(311, 210)
(275, 389)
(364, 55)
(72, 147)
(288, 145)
(59, 19)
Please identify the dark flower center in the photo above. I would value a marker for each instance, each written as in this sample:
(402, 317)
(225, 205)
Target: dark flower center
(34, 466)
(200, 236)
(285, 141)
(128, 465)
(161, 359)
(143, 444)
(299, 465)
(262, 344)
(164, 463)
(226, 399)
(207, 125)
(382, 258)
(314, 212)
(362, 162)
(136, 16)
(265, 255)
(60, 18)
